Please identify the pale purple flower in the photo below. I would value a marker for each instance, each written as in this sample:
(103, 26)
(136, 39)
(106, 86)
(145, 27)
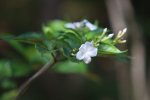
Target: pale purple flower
(86, 51)
(74, 25)
(81, 24)
(89, 25)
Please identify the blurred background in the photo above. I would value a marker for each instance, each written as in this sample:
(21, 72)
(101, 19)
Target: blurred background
(108, 78)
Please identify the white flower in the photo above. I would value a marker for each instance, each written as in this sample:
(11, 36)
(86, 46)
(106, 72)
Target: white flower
(81, 24)
(86, 51)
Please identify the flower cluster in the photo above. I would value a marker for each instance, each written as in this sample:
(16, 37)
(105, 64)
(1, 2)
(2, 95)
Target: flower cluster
(119, 36)
(81, 24)
(90, 49)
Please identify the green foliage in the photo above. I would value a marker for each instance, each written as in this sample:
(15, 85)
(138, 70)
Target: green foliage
(57, 40)
(67, 41)
(45, 46)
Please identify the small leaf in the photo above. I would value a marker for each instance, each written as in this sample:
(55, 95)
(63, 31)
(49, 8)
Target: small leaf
(66, 49)
(105, 49)
(53, 28)
(72, 40)
(68, 42)
(46, 46)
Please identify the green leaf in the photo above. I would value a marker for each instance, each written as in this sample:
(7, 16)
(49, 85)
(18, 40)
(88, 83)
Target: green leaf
(5, 69)
(44, 53)
(20, 69)
(68, 42)
(65, 48)
(14, 67)
(108, 49)
(123, 58)
(34, 56)
(31, 38)
(92, 34)
(46, 48)
(70, 67)
(18, 47)
(7, 84)
(72, 40)
(53, 28)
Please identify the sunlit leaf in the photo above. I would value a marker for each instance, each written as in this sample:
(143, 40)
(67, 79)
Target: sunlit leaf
(53, 28)
(105, 49)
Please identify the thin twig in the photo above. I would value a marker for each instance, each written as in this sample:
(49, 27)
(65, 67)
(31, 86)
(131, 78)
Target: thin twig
(25, 86)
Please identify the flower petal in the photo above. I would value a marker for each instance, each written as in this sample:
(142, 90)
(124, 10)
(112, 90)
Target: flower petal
(88, 44)
(85, 46)
(82, 47)
(78, 24)
(91, 26)
(80, 55)
(87, 59)
(92, 52)
(70, 25)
